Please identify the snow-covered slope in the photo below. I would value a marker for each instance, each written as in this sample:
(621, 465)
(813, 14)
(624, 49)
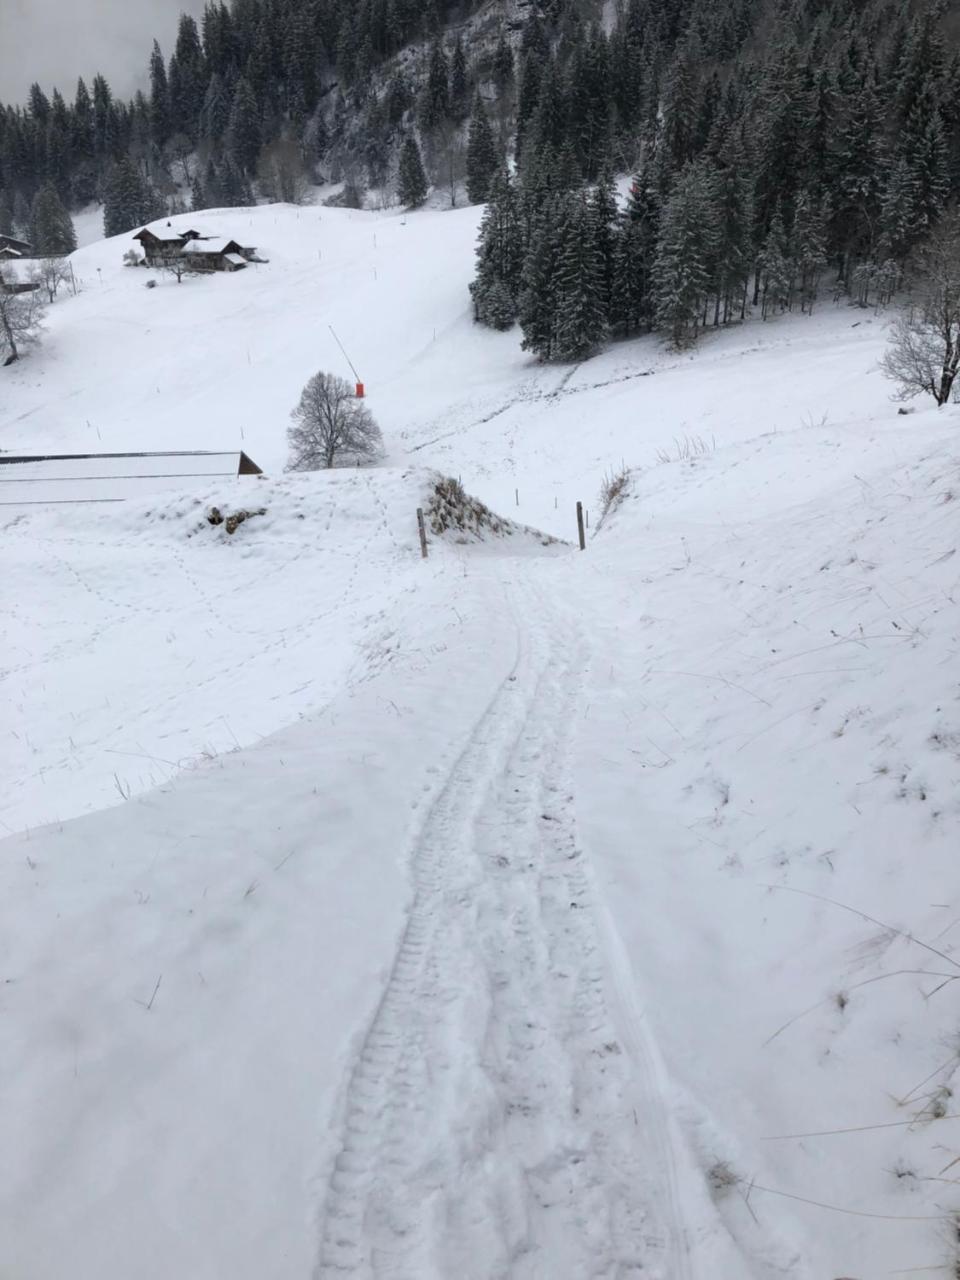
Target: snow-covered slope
(518, 912)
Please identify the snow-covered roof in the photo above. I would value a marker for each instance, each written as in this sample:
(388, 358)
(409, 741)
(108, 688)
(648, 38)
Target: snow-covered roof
(215, 245)
(166, 235)
(110, 477)
(237, 259)
(7, 251)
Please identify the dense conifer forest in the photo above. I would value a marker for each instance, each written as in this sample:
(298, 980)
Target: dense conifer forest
(778, 149)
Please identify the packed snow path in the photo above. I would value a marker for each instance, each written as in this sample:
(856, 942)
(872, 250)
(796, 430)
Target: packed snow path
(490, 1126)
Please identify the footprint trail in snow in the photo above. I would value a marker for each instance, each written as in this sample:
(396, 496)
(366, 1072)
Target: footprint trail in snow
(490, 1125)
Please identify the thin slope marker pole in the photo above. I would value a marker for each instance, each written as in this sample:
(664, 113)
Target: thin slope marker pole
(580, 533)
(343, 349)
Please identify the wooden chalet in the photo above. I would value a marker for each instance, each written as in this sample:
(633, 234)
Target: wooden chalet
(216, 254)
(162, 245)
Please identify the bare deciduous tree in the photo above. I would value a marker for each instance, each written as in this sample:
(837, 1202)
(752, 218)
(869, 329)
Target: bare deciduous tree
(448, 159)
(21, 315)
(924, 354)
(49, 274)
(176, 266)
(331, 425)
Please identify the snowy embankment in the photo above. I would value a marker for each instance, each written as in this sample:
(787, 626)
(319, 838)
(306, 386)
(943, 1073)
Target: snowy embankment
(468, 916)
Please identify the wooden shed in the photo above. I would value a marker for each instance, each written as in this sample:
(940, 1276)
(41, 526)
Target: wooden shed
(11, 247)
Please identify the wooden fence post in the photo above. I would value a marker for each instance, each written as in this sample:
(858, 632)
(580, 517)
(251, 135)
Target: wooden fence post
(580, 533)
(423, 532)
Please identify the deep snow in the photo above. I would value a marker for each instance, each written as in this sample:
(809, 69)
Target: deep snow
(486, 894)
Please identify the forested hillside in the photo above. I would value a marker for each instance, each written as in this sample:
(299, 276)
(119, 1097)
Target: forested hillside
(774, 145)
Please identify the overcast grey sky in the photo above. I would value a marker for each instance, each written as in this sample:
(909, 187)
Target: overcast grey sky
(55, 41)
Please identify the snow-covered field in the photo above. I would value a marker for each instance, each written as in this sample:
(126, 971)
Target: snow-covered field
(519, 912)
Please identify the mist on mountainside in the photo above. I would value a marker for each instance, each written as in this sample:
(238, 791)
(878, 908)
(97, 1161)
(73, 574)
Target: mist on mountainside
(53, 43)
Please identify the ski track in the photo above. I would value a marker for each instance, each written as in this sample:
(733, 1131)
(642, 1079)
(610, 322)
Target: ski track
(490, 1126)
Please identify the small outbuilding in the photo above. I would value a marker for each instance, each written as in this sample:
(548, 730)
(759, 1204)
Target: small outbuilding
(11, 247)
(57, 478)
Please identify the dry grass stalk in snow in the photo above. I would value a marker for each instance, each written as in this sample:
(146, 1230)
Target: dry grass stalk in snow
(613, 490)
(452, 509)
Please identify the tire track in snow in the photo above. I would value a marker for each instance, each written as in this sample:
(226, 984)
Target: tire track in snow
(489, 1127)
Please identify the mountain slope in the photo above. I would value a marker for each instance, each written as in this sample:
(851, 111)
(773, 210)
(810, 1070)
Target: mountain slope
(507, 949)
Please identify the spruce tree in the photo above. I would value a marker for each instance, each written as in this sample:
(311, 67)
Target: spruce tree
(458, 82)
(537, 304)
(808, 248)
(51, 228)
(898, 218)
(581, 312)
(159, 98)
(128, 200)
(82, 127)
(412, 181)
(686, 249)
(603, 222)
(500, 253)
(186, 93)
(482, 160)
(235, 190)
(215, 113)
(436, 95)
(6, 213)
(635, 254)
(198, 199)
(242, 142)
(735, 220)
(774, 269)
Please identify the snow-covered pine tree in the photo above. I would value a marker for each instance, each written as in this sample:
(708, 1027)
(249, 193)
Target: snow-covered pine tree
(198, 199)
(808, 248)
(686, 250)
(735, 220)
(636, 250)
(129, 200)
(235, 189)
(898, 220)
(537, 303)
(924, 146)
(435, 103)
(459, 88)
(51, 227)
(6, 213)
(159, 98)
(482, 162)
(603, 222)
(243, 136)
(411, 179)
(500, 255)
(214, 114)
(775, 269)
(581, 312)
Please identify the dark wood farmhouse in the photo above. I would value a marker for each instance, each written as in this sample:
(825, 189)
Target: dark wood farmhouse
(160, 246)
(215, 254)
